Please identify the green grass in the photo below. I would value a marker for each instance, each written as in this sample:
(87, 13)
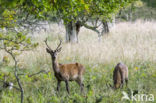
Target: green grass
(42, 88)
(137, 51)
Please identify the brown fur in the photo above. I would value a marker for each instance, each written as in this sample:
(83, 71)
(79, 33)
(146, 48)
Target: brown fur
(71, 71)
(66, 72)
(120, 75)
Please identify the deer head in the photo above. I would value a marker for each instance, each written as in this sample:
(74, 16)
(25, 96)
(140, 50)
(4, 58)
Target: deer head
(53, 53)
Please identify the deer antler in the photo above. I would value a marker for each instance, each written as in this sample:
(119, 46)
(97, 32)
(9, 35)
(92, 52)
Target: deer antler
(58, 47)
(47, 44)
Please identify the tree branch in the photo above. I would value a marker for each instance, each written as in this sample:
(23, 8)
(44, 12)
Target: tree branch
(15, 73)
(42, 71)
(91, 27)
(13, 41)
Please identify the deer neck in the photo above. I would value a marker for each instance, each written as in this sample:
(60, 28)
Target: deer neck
(55, 65)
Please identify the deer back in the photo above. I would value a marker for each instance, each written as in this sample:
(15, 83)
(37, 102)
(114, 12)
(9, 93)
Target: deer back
(71, 71)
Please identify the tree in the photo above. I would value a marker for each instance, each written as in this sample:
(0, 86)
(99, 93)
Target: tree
(13, 40)
(76, 13)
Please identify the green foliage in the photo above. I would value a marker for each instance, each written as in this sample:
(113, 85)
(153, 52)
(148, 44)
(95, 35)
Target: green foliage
(11, 38)
(140, 9)
(71, 10)
(7, 19)
(7, 3)
(74, 10)
(6, 60)
(150, 3)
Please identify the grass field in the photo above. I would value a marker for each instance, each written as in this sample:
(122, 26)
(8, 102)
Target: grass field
(131, 43)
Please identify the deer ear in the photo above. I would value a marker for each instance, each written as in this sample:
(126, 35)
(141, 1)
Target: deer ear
(48, 51)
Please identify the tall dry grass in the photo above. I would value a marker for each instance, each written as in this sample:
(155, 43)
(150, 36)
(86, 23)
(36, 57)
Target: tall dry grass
(126, 41)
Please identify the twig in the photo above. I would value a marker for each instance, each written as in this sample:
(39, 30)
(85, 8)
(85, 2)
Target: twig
(42, 71)
(13, 41)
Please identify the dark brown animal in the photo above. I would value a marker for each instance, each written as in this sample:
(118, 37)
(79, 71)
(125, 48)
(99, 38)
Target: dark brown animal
(120, 75)
(65, 72)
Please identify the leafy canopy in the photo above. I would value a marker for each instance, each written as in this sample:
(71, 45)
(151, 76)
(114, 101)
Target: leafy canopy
(12, 37)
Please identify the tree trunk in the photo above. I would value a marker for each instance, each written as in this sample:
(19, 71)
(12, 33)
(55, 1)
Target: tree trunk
(78, 26)
(105, 28)
(72, 30)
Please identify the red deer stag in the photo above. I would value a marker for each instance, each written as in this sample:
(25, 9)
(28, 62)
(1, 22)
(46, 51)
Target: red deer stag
(120, 75)
(65, 72)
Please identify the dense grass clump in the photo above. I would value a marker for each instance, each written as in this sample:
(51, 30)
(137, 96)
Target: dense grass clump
(131, 43)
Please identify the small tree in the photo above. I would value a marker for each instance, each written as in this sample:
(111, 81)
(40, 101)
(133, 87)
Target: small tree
(13, 40)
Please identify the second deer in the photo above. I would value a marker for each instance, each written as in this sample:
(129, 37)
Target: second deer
(65, 72)
(120, 75)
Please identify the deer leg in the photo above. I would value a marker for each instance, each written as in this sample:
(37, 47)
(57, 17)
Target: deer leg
(82, 87)
(58, 85)
(67, 86)
(122, 79)
(126, 80)
(79, 81)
